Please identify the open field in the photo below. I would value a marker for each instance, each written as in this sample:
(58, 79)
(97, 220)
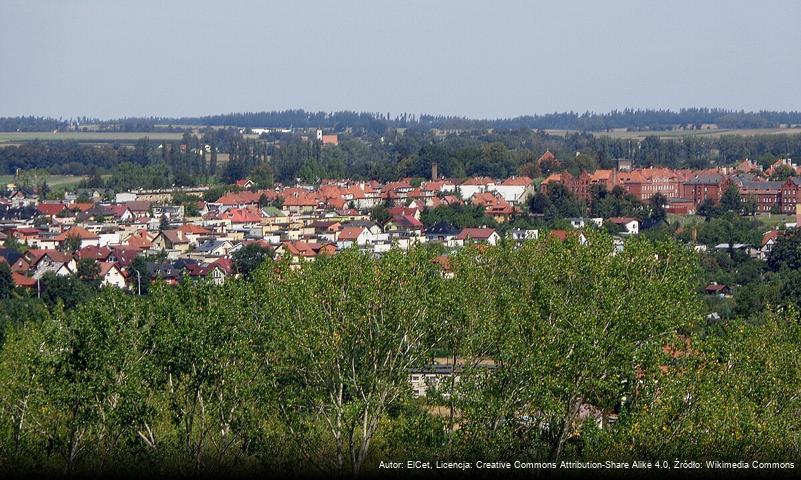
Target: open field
(52, 180)
(85, 137)
(768, 221)
(674, 134)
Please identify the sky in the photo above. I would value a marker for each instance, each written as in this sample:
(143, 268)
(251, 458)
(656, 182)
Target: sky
(481, 59)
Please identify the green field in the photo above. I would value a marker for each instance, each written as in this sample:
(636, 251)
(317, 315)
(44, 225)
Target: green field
(52, 180)
(768, 221)
(673, 134)
(85, 137)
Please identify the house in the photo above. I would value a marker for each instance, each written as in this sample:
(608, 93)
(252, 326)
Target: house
(170, 240)
(515, 190)
(404, 223)
(719, 289)
(474, 185)
(350, 236)
(111, 275)
(86, 237)
(477, 235)
(444, 263)
(705, 186)
(215, 271)
(98, 254)
(50, 209)
(769, 239)
(630, 226)
(45, 261)
(213, 248)
(244, 183)
(442, 232)
(519, 235)
(330, 139)
(563, 235)
(300, 250)
(24, 281)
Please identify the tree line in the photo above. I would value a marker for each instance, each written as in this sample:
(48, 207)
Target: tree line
(306, 371)
(634, 119)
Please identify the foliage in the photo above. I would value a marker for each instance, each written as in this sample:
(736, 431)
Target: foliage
(249, 258)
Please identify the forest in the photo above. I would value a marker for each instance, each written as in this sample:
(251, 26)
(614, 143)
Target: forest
(566, 351)
(629, 118)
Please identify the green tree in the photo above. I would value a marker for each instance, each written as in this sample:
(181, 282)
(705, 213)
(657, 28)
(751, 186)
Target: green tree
(730, 200)
(560, 306)
(88, 272)
(6, 281)
(71, 244)
(249, 258)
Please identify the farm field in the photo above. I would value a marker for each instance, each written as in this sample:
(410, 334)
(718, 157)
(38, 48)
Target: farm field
(674, 134)
(85, 137)
(52, 180)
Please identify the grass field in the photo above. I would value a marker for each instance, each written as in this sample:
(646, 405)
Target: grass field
(52, 180)
(768, 221)
(86, 137)
(672, 134)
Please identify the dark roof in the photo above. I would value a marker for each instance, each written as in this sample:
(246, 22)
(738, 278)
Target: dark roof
(442, 228)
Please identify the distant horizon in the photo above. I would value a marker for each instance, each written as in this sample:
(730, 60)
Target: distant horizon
(394, 115)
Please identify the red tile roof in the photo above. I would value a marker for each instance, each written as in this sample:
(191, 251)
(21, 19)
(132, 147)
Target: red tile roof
(475, 233)
(76, 231)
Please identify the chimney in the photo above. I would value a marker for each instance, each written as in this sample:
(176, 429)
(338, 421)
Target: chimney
(433, 172)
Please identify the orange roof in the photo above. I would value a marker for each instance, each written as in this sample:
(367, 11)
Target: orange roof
(517, 181)
(768, 236)
(240, 198)
(475, 233)
(83, 207)
(50, 209)
(478, 181)
(191, 228)
(546, 156)
(241, 215)
(140, 240)
(106, 267)
(21, 280)
(350, 233)
(76, 231)
(554, 177)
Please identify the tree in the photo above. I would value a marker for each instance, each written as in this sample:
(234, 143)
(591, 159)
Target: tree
(786, 252)
(379, 214)
(656, 205)
(139, 275)
(343, 359)
(782, 173)
(709, 209)
(65, 289)
(262, 175)
(164, 222)
(730, 200)
(88, 271)
(561, 306)
(733, 397)
(71, 244)
(750, 205)
(249, 258)
(6, 281)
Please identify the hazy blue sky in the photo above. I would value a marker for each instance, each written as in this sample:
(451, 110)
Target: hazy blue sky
(481, 59)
